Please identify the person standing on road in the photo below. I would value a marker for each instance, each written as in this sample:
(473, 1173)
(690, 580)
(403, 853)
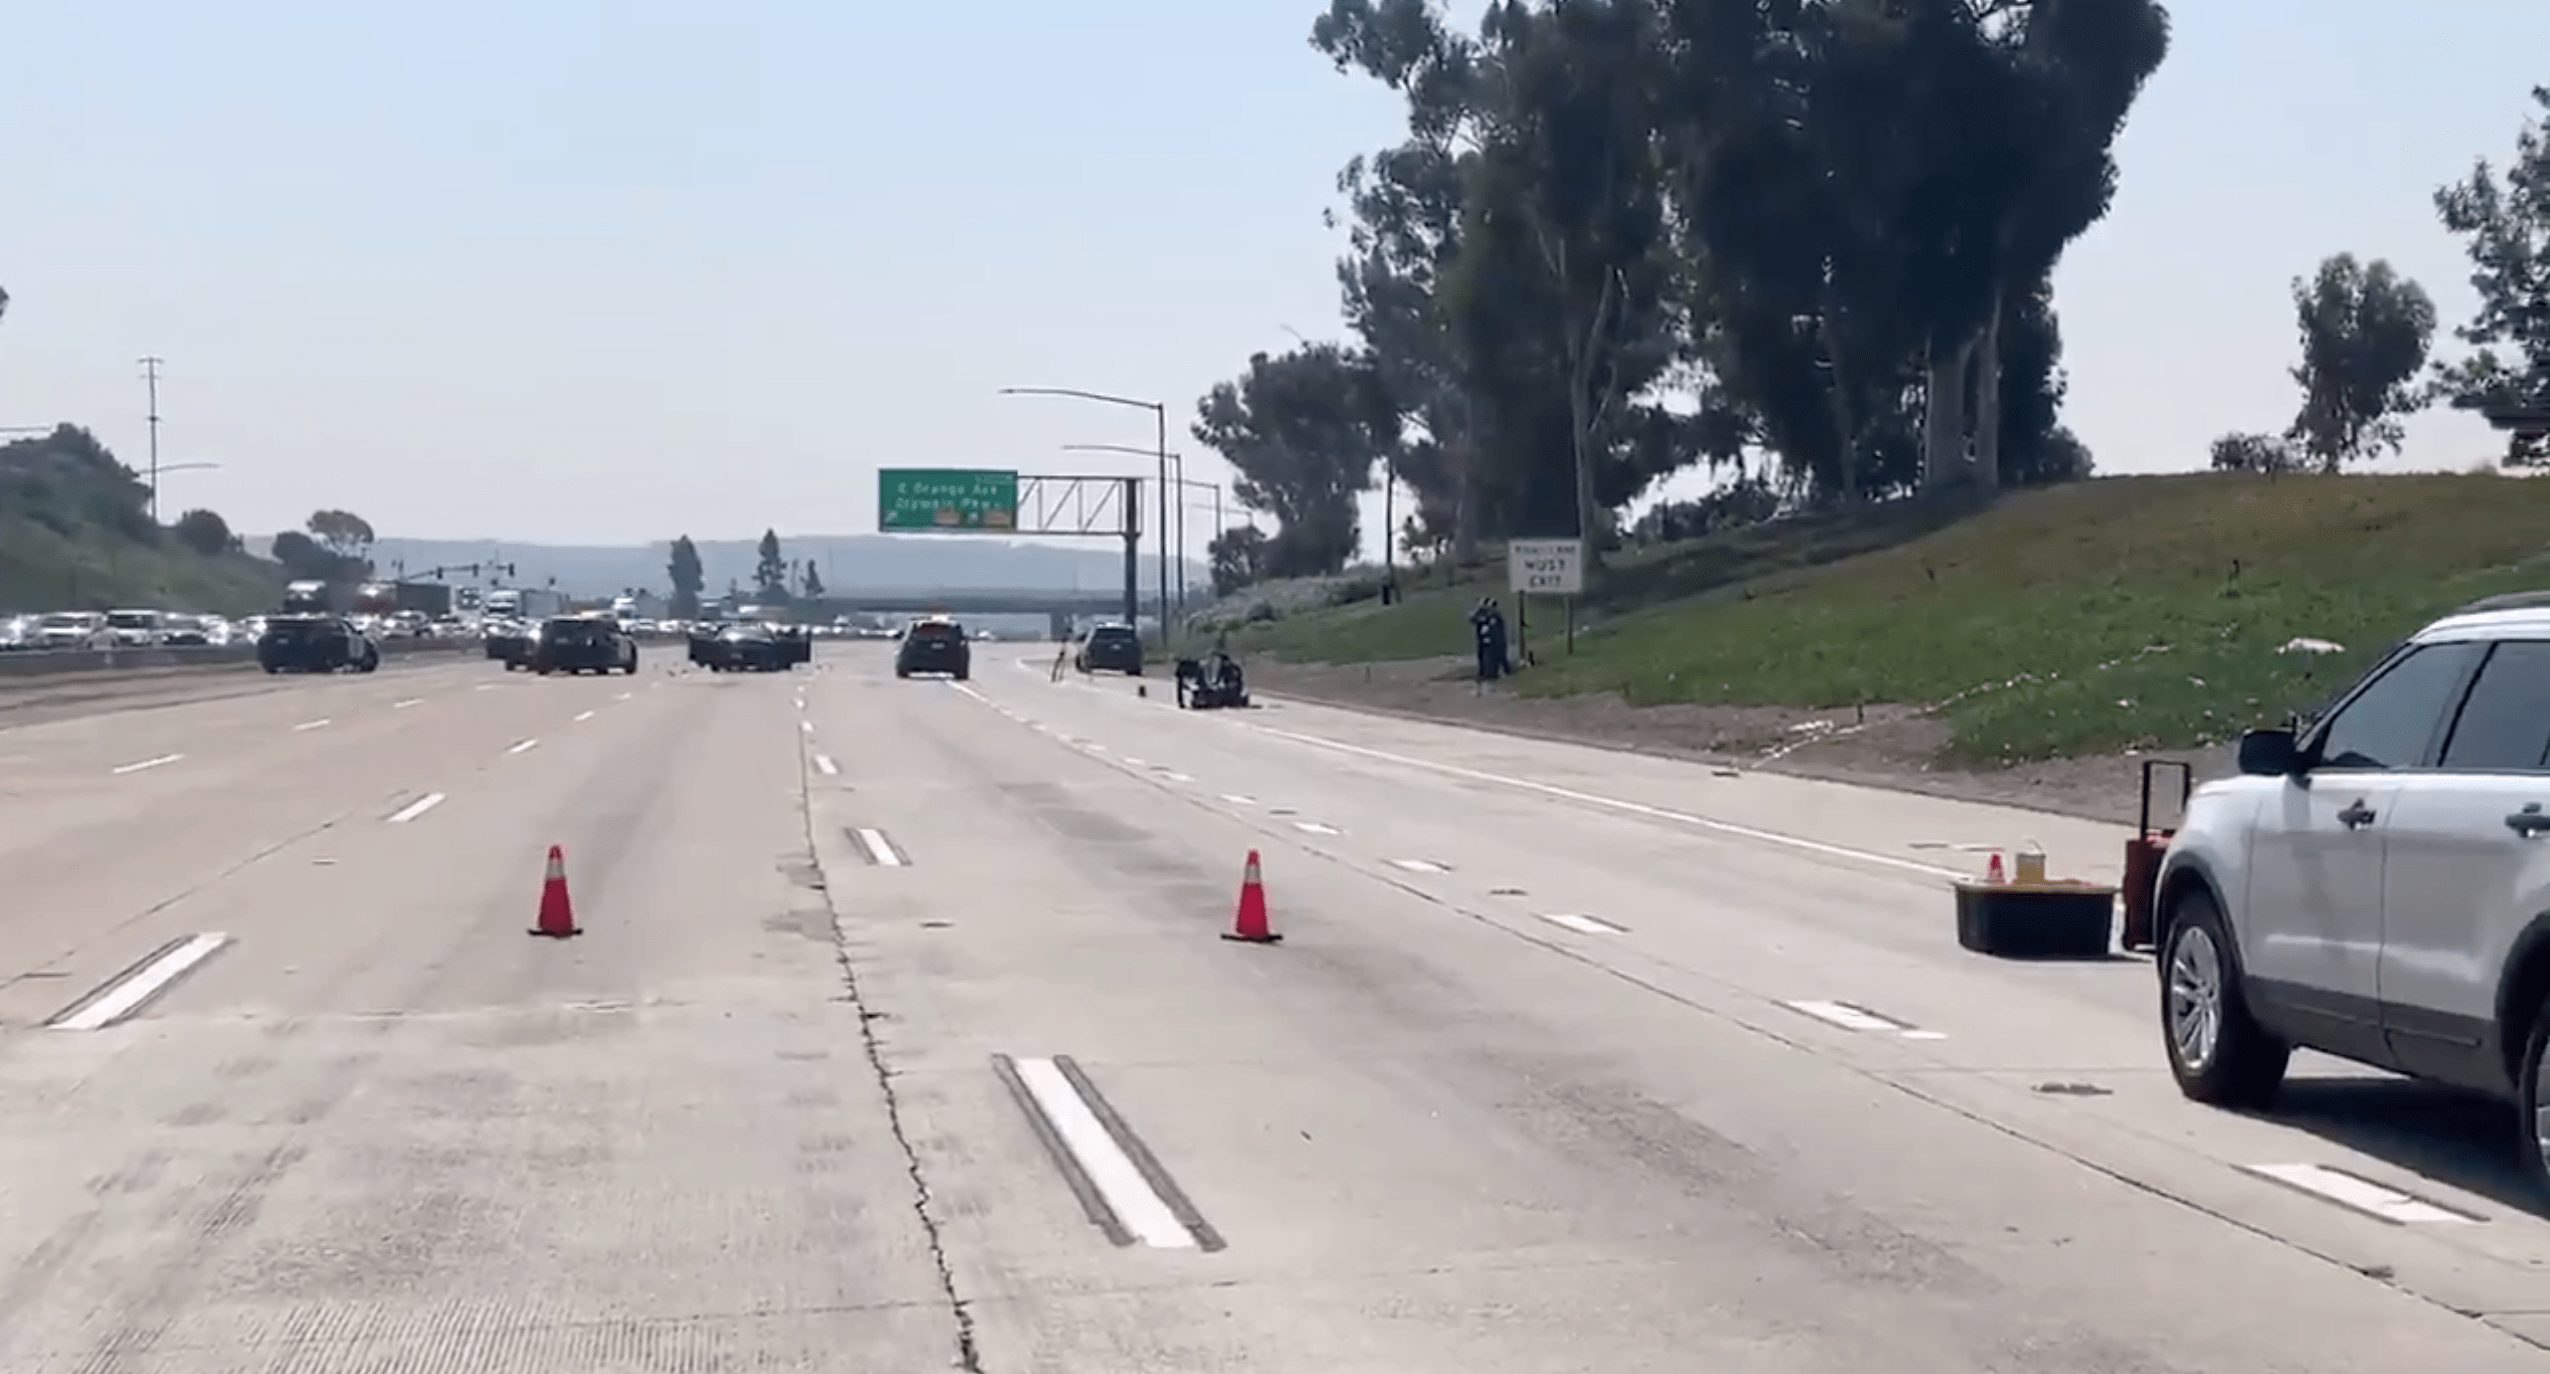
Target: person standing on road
(1486, 633)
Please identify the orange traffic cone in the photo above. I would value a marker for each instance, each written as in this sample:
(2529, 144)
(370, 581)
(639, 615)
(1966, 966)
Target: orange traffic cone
(557, 913)
(1993, 874)
(1249, 925)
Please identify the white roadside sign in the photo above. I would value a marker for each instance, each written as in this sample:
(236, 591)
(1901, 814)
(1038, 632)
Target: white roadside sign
(1546, 567)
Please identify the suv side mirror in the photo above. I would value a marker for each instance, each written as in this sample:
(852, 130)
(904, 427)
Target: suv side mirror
(2270, 753)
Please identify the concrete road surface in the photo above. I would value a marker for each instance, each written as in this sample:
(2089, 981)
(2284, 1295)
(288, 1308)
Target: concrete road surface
(900, 1037)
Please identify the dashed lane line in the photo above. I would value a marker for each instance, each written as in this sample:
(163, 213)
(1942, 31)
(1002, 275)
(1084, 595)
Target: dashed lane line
(879, 849)
(1316, 828)
(320, 724)
(2361, 1195)
(403, 705)
(582, 717)
(825, 766)
(1420, 866)
(1852, 1017)
(1121, 1185)
(1582, 925)
(416, 808)
(147, 764)
(524, 747)
(133, 989)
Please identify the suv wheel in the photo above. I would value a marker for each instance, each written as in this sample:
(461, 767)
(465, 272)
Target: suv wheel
(2219, 1054)
(2533, 1105)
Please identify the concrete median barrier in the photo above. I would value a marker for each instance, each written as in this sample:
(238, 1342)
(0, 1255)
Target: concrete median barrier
(57, 665)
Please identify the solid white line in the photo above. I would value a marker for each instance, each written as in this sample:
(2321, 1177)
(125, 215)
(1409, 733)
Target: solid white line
(879, 848)
(2346, 1190)
(319, 724)
(1315, 828)
(825, 766)
(1128, 1194)
(127, 997)
(1419, 865)
(161, 762)
(525, 747)
(1617, 804)
(1847, 1017)
(403, 705)
(584, 717)
(1236, 799)
(416, 808)
(1582, 925)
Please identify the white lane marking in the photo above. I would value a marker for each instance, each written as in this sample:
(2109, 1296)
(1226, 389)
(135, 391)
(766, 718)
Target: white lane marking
(525, 747)
(1236, 799)
(881, 850)
(1315, 828)
(161, 762)
(485, 687)
(1093, 747)
(2362, 1195)
(1617, 804)
(807, 726)
(319, 724)
(583, 717)
(825, 766)
(624, 696)
(1175, 777)
(1137, 763)
(416, 808)
(1925, 1035)
(403, 705)
(1582, 925)
(143, 984)
(1129, 1195)
(1419, 865)
(1844, 1015)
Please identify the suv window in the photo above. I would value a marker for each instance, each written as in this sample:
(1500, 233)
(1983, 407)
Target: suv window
(938, 630)
(2389, 723)
(2505, 722)
(1110, 634)
(578, 631)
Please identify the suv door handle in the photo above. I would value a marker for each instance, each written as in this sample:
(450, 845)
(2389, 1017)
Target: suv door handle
(2356, 816)
(2529, 821)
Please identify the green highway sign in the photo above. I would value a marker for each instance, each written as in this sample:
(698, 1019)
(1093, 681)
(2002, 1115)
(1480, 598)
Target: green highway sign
(915, 499)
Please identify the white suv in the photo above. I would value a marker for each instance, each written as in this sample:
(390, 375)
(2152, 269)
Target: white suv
(2376, 885)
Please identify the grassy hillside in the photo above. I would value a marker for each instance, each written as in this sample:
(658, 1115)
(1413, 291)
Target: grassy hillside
(2126, 612)
(75, 534)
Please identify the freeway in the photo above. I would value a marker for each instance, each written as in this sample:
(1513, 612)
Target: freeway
(900, 1037)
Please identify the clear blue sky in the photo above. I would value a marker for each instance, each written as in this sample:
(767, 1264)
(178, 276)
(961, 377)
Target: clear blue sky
(610, 270)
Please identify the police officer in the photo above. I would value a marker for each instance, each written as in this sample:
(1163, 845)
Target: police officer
(1486, 635)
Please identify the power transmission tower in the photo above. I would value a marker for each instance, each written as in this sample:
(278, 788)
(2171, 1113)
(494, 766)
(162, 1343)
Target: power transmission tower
(150, 377)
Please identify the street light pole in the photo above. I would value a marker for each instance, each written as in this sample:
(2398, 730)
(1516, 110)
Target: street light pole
(1160, 417)
(1177, 461)
(150, 378)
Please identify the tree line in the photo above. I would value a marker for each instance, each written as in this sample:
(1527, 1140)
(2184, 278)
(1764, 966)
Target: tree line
(1806, 246)
(2367, 332)
(777, 581)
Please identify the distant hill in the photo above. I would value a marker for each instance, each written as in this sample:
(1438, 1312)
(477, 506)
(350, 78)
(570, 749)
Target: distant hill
(848, 563)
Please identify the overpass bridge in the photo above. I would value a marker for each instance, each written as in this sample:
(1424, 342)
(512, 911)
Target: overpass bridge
(1060, 606)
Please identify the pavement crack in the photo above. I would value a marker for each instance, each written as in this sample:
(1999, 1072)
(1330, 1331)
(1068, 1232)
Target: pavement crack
(968, 1354)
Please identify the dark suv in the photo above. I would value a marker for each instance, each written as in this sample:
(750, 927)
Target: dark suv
(934, 646)
(1111, 649)
(583, 644)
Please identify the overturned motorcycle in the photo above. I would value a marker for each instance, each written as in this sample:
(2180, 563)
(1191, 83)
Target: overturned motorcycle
(1211, 683)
